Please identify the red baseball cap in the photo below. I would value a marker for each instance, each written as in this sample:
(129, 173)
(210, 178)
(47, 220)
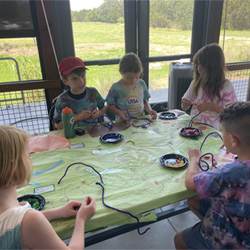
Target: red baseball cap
(69, 64)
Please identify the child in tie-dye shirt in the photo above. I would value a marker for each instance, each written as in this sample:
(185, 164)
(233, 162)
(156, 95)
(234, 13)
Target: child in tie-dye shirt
(86, 102)
(210, 91)
(223, 204)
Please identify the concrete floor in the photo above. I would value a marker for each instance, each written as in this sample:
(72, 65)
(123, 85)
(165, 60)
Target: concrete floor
(160, 236)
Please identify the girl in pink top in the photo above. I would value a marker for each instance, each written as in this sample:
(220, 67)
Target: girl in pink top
(210, 91)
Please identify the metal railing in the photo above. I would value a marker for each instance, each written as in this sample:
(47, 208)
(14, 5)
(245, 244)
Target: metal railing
(18, 74)
(27, 114)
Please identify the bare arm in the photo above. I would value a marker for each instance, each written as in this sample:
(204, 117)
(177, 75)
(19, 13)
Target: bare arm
(117, 111)
(193, 167)
(81, 116)
(37, 233)
(148, 108)
(209, 106)
(185, 103)
(97, 113)
(59, 125)
(68, 210)
(86, 211)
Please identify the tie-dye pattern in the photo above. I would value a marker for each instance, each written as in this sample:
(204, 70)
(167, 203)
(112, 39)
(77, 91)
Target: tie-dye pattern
(133, 100)
(210, 117)
(90, 100)
(227, 222)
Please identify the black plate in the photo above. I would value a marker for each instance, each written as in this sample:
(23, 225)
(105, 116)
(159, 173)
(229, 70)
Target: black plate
(190, 132)
(168, 115)
(36, 201)
(111, 138)
(79, 131)
(174, 161)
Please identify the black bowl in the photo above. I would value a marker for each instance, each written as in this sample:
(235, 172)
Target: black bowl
(36, 201)
(174, 161)
(111, 138)
(190, 132)
(168, 115)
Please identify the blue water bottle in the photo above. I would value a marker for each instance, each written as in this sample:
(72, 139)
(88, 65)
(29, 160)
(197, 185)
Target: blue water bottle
(68, 123)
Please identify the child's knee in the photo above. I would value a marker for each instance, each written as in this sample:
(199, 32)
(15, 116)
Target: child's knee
(193, 202)
(176, 237)
(178, 241)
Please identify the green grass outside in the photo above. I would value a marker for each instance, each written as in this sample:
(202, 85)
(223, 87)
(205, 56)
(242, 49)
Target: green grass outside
(105, 41)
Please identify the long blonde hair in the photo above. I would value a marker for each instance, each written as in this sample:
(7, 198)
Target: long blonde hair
(211, 58)
(15, 165)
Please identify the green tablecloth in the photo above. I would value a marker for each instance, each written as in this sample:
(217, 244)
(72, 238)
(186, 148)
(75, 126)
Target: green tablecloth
(134, 179)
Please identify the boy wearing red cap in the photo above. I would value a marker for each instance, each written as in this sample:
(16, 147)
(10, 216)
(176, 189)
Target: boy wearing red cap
(86, 102)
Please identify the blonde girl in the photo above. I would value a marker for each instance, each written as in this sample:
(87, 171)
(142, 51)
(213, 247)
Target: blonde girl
(22, 227)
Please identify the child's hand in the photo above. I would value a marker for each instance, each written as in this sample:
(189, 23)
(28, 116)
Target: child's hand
(194, 153)
(122, 114)
(87, 209)
(153, 114)
(202, 107)
(83, 115)
(69, 209)
(205, 106)
(215, 162)
(95, 114)
(186, 103)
